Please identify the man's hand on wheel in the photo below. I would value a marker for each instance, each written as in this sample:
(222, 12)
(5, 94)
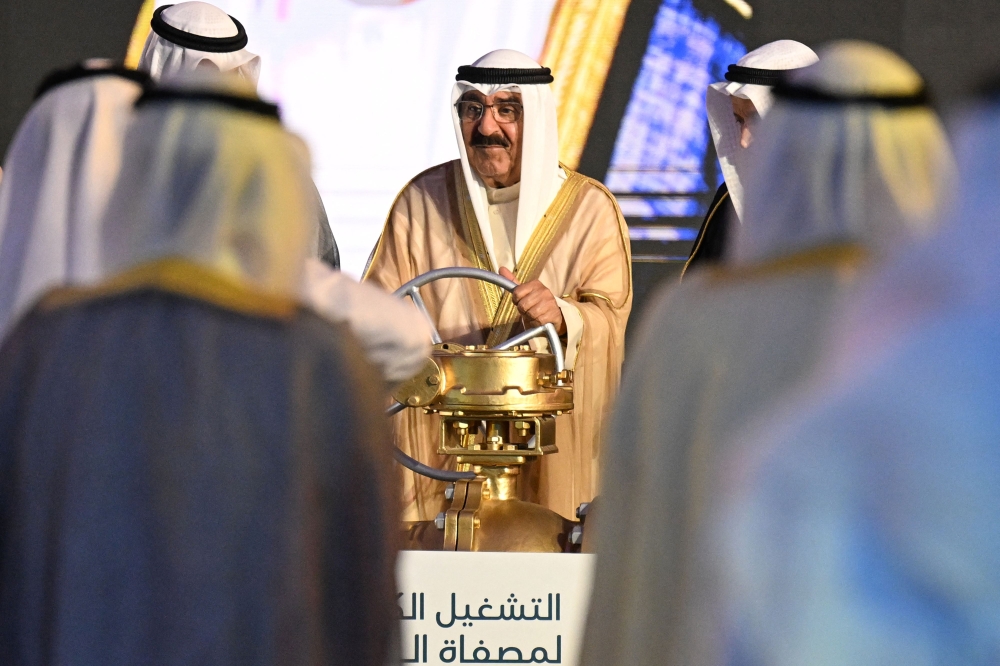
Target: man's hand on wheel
(536, 304)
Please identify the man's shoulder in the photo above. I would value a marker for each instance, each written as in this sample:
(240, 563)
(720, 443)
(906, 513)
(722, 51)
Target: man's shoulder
(594, 202)
(431, 187)
(593, 189)
(433, 178)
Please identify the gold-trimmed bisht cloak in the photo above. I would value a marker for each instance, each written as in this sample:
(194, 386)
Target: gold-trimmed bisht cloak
(580, 251)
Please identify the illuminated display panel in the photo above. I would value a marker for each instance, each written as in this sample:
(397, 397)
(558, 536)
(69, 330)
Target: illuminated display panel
(661, 166)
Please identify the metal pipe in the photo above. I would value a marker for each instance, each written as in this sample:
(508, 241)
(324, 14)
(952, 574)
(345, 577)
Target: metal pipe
(414, 294)
(549, 331)
(456, 272)
(420, 468)
(518, 339)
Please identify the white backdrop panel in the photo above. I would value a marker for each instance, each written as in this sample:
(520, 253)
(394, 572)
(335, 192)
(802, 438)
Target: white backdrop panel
(367, 83)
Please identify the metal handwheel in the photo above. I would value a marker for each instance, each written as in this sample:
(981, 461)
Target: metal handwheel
(412, 289)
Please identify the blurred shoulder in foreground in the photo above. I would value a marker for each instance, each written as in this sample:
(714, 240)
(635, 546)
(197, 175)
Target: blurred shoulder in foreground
(727, 343)
(859, 526)
(193, 466)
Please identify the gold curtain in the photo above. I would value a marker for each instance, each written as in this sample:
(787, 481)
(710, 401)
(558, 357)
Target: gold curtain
(579, 48)
(139, 34)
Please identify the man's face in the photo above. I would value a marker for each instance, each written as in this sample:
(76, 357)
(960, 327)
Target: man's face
(492, 136)
(746, 118)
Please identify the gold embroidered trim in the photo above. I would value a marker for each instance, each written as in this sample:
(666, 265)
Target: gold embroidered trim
(490, 293)
(623, 235)
(535, 252)
(848, 255)
(181, 277)
(701, 236)
(598, 295)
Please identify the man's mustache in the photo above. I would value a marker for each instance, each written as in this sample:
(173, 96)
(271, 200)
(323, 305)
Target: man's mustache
(483, 141)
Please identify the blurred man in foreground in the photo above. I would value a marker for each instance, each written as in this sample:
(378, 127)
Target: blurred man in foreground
(861, 525)
(508, 206)
(197, 36)
(735, 106)
(62, 165)
(193, 466)
(192, 36)
(849, 163)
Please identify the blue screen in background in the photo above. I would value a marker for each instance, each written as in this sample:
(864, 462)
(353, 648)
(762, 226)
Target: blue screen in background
(659, 167)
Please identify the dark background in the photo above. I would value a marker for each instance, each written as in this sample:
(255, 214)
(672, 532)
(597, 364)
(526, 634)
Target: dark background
(37, 36)
(953, 43)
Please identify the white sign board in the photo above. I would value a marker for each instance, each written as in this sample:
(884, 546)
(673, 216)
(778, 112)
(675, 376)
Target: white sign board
(493, 608)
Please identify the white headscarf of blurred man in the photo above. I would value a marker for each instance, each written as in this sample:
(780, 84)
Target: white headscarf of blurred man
(193, 36)
(949, 269)
(871, 159)
(61, 168)
(393, 334)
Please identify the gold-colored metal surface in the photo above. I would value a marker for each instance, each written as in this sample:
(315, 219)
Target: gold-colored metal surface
(482, 382)
(468, 519)
(513, 526)
(501, 482)
(498, 410)
(466, 439)
(451, 517)
(487, 516)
